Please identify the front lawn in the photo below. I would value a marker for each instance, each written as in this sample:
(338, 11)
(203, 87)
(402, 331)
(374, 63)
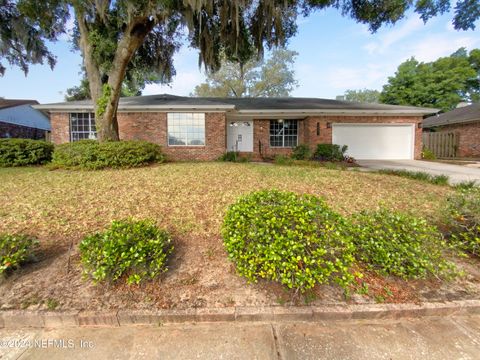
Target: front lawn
(189, 199)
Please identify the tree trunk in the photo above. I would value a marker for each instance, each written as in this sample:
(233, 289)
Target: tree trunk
(127, 46)
(105, 97)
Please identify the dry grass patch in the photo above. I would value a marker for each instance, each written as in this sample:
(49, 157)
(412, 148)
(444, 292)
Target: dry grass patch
(189, 199)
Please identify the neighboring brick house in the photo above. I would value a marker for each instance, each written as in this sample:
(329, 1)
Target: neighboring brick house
(465, 121)
(190, 128)
(19, 120)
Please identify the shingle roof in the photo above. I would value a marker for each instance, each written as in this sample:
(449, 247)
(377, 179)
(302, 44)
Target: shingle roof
(460, 115)
(239, 104)
(6, 103)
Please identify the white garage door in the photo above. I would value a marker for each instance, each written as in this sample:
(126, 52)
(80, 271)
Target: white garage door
(379, 141)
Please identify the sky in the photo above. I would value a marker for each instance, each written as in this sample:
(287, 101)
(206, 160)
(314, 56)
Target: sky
(335, 54)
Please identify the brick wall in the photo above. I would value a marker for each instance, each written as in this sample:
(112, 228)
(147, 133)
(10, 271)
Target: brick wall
(325, 136)
(307, 132)
(152, 126)
(60, 125)
(8, 130)
(469, 138)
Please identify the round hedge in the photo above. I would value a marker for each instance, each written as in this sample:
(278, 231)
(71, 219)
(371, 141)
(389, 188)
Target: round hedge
(135, 249)
(23, 152)
(94, 155)
(394, 243)
(292, 239)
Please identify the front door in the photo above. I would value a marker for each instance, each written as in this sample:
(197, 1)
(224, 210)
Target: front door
(240, 136)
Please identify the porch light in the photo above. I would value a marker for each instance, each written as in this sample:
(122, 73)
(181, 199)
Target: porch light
(329, 125)
(280, 121)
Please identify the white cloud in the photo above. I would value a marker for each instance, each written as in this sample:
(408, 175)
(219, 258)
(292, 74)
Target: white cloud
(330, 81)
(369, 76)
(449, 26)
(183, 84)
(69, 26)
(393, 36)
(432, 47)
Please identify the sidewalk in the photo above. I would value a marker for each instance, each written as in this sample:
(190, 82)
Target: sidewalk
(453, 337)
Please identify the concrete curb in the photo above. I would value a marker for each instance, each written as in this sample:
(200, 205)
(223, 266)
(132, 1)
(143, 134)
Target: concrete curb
(15, 319)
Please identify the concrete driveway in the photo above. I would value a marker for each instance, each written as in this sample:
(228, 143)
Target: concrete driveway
(456, 173)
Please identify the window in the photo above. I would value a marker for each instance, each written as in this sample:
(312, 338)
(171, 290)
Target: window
(82, 126)
(283, 133)
(186, 129)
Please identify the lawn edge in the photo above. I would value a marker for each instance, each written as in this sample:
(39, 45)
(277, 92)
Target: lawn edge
(15, 319)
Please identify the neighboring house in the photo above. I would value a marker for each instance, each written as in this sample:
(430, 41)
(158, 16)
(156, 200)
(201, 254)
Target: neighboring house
(190, 128)
(19, 120)
(465, 121)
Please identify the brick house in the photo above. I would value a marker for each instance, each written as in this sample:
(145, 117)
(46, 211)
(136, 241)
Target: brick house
(465, 121)
(19, 120)
(190, 128)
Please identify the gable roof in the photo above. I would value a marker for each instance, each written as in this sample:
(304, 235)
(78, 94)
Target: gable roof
(460, 115)
(243, 105)
(25, 115)
(6, 103)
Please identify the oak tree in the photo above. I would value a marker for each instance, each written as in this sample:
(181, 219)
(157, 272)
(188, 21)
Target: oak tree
(272, 77)
(113, 35)
(441, 84)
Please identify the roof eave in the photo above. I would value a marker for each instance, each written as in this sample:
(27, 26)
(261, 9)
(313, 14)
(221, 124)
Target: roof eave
(139, 108)
(344, 112)
(450, 123)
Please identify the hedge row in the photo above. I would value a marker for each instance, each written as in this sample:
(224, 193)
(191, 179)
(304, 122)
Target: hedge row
(299, 241)
(85, 154)
(23, 152)
(296, 240)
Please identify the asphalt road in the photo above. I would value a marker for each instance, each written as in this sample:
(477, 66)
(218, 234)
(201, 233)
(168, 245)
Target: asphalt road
(423, 338)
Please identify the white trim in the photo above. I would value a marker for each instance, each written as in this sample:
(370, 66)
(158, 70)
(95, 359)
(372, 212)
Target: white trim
(346, 112)
(256, 113)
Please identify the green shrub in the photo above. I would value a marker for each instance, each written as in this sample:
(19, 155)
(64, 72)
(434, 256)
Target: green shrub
(15, 250)
(22, 152)
(233, 156)
(94, 155)
(417, 175)
(463, 211)
(330, 152)
(230, 156)
(398, 244)
(293, 239)
(302, 152)
(428, 154)
(283, 160)
(136, 249)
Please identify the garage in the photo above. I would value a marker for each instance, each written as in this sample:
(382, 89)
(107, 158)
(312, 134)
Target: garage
(376, 141)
